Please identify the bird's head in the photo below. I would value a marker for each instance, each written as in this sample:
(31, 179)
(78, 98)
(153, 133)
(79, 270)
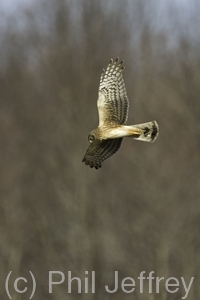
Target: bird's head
(93, 136)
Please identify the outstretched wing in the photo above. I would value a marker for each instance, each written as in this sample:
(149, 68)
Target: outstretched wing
(112, 101)
(98, 151)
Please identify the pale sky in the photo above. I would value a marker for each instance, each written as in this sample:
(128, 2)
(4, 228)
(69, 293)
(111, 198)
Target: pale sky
(10, 6)
(176, 17)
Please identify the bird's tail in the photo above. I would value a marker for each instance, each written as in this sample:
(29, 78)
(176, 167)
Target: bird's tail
(149, 131)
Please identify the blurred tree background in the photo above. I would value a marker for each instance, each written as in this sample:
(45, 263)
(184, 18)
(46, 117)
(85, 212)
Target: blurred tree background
(141, 211)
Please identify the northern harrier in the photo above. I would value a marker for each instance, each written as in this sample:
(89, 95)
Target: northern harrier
(113, 107)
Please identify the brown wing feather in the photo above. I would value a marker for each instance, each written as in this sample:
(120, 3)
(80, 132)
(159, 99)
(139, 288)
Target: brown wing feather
(98, 151)
(113, 104)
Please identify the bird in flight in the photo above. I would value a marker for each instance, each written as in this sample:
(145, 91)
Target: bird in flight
(113, 106)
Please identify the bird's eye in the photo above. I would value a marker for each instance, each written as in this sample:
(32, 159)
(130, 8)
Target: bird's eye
(91, 138)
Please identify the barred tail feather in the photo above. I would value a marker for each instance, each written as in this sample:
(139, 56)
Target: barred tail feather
(150, 131)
